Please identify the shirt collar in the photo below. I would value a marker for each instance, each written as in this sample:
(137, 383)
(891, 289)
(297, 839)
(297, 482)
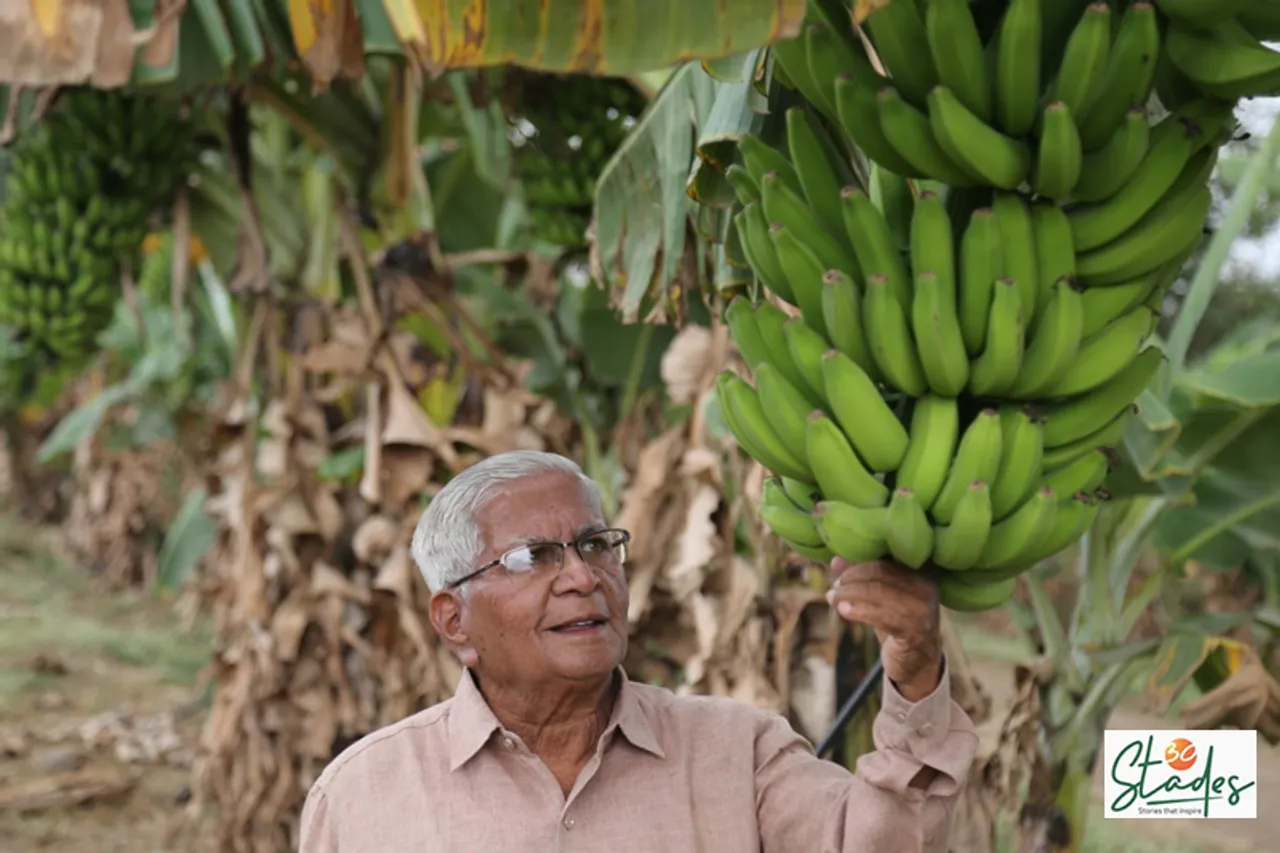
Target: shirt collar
(472, 722)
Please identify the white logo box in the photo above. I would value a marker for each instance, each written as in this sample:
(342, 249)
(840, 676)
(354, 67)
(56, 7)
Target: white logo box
(1180, 773)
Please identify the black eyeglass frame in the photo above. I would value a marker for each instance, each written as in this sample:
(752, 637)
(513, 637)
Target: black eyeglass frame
(564, 547)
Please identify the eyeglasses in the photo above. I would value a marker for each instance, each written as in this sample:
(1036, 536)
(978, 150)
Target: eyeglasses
(600, 549)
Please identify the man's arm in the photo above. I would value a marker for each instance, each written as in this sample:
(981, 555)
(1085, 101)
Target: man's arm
(900, 799)
(316, 832)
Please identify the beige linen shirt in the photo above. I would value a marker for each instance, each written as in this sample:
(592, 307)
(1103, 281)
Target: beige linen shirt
(675, 774)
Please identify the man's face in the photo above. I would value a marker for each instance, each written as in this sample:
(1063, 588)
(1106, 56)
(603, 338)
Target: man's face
(516, 626)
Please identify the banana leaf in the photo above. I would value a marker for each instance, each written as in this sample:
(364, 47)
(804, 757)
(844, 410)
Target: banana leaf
(215, 42)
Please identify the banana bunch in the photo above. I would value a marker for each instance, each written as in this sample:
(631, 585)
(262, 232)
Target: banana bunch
(1215, 48)
(945, 352)
(565, 129)
(80, 191)
(941, 390)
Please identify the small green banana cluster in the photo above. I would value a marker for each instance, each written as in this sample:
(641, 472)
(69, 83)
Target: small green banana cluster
(82, 186)
(564, 129)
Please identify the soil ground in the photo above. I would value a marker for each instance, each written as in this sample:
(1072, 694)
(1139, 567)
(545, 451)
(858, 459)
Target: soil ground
(114, 674)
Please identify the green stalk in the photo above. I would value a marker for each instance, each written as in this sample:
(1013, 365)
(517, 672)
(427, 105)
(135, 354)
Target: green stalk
(1206, 279)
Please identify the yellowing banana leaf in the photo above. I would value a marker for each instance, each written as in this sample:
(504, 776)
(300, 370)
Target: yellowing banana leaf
(328, 38)
(609, 37)
(1185, 651)
(863, 9)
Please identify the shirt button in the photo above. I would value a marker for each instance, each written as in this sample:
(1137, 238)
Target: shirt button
(568, 823)
(509, 743)
(925, 730)
(901, 717)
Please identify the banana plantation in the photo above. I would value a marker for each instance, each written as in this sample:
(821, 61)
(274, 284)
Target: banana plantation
(987, 288)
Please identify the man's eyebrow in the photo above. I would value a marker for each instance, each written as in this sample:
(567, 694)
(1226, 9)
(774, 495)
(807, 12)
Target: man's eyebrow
(592, 527)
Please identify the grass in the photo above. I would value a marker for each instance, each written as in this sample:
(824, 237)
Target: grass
(48, 610)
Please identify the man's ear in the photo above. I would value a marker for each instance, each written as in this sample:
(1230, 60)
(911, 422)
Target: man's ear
(445, 610)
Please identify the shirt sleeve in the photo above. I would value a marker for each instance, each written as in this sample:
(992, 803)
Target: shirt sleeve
(316, 831)
(807, 803)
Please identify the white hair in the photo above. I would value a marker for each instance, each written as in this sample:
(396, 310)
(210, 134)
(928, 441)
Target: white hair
(447, 542)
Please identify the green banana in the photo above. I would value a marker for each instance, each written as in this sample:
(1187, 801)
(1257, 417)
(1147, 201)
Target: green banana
(956, 47)
(958, 594)
(1053, 345)
(1071, 520)
(1011, 538)
(784, 207)
(773, 494)
(1103, 355)
(935, 428)
(1084, 61)
(753, 229)
(994, 372)
(855, 401)
(806, 348)
(1104, 304)
(874, 244)
(741, 321)
(1018, 239)
(889, 334)
(803, 270)
(1017, 63)
(791, 55)
(744, 186)
(840, 474)
(821, 556)
(842, 312)
(785, 409)
(1099, 224)
(859, 117)
(761, 158)
(958, 545)
(816, 172)
(1202, 13)
(936, 329)
(772, 322)
(742, 412)
(981, 263)
(1021, 451)
(900, 40)
(1130, 76)
(1168, 231)
(977, 458)
(1055, 253)
(1108, 435)
(892, 196)
(978, 148)
(1081, 475)
(908, 130)
(803, 495)
(791, 524)
(908, 533)
(852, 533)
(1079, 416)
(1220, 64)
(1104, 172)
(1059, 156)
(932, 245)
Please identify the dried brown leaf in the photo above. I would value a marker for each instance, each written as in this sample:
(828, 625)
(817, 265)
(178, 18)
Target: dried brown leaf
(686, 363)
(697, 545)
(1247, 699)
(91, 41)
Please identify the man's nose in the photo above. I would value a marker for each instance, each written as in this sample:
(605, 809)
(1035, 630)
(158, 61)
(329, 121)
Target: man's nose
(575, 575)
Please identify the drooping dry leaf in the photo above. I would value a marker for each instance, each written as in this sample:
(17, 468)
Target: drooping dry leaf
(1248, 699)
(686, 363)
(813, 695)
(327, 35)
(83, 41)
(698, 543)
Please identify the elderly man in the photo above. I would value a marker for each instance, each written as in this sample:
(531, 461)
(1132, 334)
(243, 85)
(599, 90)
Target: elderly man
(547, 745)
